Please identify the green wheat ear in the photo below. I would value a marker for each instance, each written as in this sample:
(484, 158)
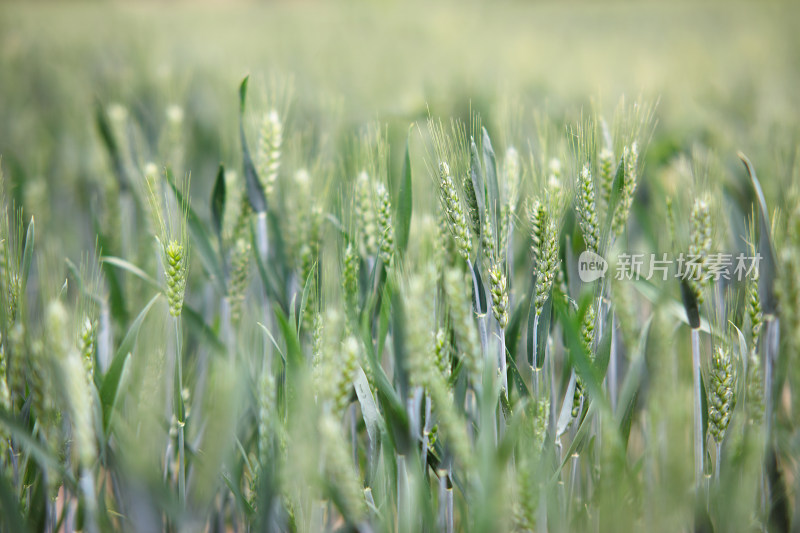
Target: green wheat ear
(544, 248)
(606, 162)
(175, 267)
(266, 411)
(487, 238)
(174, 242)
(456, 219)
(547, 265)
(754, 309)
(350, 350)
(351, 265)
(499, 291)
(269, 151)
(512, 171)
(239, 278)
(700, 245)
(457, 291)
(365, 215)
(86, 339)
(537, 215)
(754, 389)
(73, 381)
(630, 155)
(721, 393)
(441, 350)
(339, 471)
(587, 337)
(754, 380)
(385, 226)
(587, 210)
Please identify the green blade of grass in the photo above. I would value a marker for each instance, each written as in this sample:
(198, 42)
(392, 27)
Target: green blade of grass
(478, 183)
(616, 193)
(40, 453)
(492, 189)
(304, 299)
(218, 204)
(690, 304)
(399, 343)
(404, 201)
(109, 389)
(766, 267)
(110, 142)
(369, 410)
(199, 233)
(130, 267)
(27, 253)
(267, 275)
(11, 517)
(255, 192)
(294, 353)
(195, 322)
(632, 385)
(115, 292)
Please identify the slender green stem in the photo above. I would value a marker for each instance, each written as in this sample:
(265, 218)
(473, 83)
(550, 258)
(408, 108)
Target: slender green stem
(262, 239)
(481, 318)
(353, 434)
(535, 372)
(501, 419)
(449, 522)
(403, 496)
(90, 505)
(698, 416)
(770, 352)
(425, 432)
(51, 518)
(179, 415)
(613, 363)
(443, 524)
(574, 479)
(502, 363)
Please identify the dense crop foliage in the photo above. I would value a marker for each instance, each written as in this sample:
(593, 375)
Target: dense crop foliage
(235, 304)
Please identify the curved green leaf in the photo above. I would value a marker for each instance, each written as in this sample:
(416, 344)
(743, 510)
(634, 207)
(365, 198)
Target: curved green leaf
(195, 322)
(404, 202)
(130, 267)
(199, 233)
(492, 189)
(304, 299)
(766, 267)
(11, 515)
(478, 184)
(43, 456)
(369, 410)
(255, 192)
(27, 252)
(690, 304)
(218, 203)
(110, 142)
(631, 386)
(109, 389)
(616, 193)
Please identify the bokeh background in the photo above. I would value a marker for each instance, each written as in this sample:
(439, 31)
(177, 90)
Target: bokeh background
(725, 74)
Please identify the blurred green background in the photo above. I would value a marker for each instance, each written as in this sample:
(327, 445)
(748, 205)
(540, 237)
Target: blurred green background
(725, 75)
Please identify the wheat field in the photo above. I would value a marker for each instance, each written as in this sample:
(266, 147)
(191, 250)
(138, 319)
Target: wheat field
(313, 266)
